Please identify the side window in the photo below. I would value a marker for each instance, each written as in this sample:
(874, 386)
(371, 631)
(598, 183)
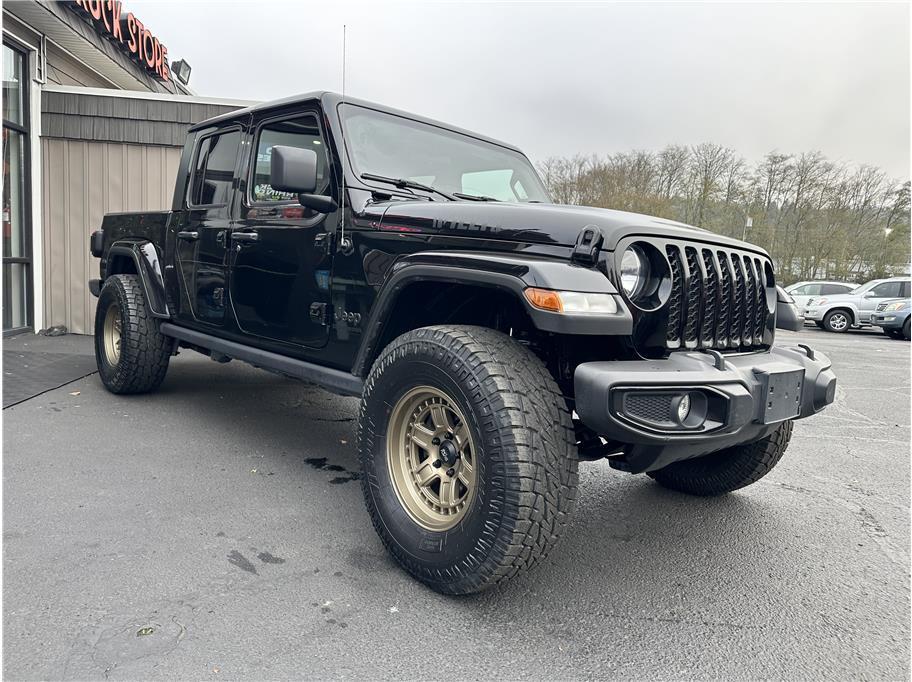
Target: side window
(302, 132)
(213, 169)
(905, 289)
(807, 290)
(832, 289)
(799, 291)
(887, 290)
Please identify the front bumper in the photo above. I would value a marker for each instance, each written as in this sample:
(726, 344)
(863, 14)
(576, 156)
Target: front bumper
(814, 314)
(888, 320)
(742, 398)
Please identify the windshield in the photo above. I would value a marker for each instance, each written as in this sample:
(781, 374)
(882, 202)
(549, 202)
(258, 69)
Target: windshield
(383, 144)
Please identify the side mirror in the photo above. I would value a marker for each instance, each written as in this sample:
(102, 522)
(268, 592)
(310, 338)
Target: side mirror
(293, 170)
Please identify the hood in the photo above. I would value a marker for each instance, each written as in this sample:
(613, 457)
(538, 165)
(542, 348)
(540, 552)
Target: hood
(536, 223)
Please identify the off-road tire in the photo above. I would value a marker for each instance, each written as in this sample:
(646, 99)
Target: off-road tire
(729, 469)
(828, 321)
(144, 350)
(526, 460)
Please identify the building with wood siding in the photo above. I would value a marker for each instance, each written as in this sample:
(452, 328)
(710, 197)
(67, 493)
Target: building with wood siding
(94, 120)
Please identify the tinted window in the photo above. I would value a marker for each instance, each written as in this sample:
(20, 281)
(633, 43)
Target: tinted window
(905, 289)
(302, 132)
(835, 289)
(887, 290)
(213, 169)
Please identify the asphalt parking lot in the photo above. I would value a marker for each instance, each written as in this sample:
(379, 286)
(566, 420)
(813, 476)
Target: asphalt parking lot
(215, 530)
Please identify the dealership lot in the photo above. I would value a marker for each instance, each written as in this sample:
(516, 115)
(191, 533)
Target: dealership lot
(216, 530)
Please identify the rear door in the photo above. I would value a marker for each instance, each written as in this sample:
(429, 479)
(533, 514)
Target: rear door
(202, 236)
(280, 251)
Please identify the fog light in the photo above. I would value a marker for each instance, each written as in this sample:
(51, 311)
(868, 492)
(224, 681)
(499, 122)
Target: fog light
(683, 410)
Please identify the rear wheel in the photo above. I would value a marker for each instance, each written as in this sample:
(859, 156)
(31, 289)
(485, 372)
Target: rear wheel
(837, 321)
(468, 456)
(132, 354)
(729, 469)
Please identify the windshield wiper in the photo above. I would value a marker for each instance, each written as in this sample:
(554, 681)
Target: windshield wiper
(474, 197)
(402, 183)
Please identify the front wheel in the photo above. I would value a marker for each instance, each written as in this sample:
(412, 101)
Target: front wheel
(468, 457)
(837, 321)
(729, 469)
(905, 329)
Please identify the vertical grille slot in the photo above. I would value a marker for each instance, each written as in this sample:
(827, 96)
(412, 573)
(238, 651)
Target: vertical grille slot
(729, 314)
(738, 312)
(760, 309)
(750, 299)
(693, 300)
(675, 299)
(710, 293)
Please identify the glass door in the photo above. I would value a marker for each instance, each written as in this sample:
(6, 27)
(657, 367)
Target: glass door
(17, 243)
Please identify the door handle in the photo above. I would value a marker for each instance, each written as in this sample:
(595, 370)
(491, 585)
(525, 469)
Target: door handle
(188, 236)
(245, 236)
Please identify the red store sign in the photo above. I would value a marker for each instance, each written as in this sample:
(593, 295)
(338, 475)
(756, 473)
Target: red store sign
(127, 32)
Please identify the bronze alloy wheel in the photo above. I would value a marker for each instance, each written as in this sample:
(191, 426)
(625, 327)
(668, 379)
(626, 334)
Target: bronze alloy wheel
(431, 458)
(111, 334)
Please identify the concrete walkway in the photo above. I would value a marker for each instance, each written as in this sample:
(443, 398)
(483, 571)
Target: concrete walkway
(34, 364)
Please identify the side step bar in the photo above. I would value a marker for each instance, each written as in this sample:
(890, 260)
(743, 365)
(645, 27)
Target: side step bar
(333, 380)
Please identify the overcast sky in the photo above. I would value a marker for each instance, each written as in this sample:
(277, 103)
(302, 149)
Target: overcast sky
(566, 78)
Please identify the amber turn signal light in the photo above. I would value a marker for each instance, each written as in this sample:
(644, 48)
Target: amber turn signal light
(544, 299)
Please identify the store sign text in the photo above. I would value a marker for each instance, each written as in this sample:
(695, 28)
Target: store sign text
(127, 32)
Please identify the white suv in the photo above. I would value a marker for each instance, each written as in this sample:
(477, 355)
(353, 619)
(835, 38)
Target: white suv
(803, 292)
(838, 313)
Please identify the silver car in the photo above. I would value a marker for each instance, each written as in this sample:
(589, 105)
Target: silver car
(803, 292)
(839, 313)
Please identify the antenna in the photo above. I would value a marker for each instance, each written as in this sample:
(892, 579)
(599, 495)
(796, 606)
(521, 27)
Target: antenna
(344, 153)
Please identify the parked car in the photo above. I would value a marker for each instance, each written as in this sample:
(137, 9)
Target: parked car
(494, 338)
(802, 292)
(893, 317)
(839, 313)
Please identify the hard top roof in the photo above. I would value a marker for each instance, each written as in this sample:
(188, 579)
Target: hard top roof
(329, 100)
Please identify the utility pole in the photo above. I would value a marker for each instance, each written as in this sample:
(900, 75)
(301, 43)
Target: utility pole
(748, 223)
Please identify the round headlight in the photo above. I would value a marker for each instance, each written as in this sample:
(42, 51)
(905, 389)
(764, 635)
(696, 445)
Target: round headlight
(634, 271)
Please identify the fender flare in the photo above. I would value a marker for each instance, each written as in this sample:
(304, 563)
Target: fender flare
(148, 265)
(508, 273)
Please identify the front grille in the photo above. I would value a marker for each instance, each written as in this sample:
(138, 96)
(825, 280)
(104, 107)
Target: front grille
(717, 299)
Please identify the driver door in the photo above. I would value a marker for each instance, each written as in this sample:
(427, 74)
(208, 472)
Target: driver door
(279, 256)
(878, 294)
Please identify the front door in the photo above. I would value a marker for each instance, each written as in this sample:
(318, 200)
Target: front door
(280, 257)
(202, 235)
(878, 294)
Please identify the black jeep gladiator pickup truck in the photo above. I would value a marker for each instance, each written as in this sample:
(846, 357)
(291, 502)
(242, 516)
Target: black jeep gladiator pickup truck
(495, 339)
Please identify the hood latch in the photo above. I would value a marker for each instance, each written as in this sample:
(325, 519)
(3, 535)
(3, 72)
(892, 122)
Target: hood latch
(588, 244)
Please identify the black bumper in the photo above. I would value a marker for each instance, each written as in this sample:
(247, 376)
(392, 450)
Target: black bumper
(741, 398)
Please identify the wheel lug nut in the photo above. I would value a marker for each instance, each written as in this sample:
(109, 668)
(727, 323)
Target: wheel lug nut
(451, 472)
(435, 441)
(436, 464)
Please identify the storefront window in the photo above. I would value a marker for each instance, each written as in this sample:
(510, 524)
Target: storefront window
(17, 262)
(13, 91)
